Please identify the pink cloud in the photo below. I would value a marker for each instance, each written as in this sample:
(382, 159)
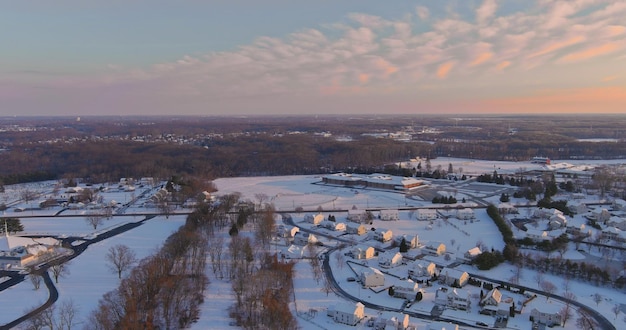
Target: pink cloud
(486, 11)
(422, 12)
(482, 58)
(554, 46)
(503, 65)
(590, 53)
(444, 69)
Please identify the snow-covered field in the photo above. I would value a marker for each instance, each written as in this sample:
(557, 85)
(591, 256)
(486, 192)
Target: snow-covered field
(89, 277)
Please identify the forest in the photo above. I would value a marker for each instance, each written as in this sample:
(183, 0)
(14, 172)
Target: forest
(101, 149)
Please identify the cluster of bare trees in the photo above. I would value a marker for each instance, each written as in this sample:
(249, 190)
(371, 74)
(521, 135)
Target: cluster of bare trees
(54, 318)
(164, 291)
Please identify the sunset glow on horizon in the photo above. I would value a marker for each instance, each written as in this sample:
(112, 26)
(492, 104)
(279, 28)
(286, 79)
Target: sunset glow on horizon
(280, 57)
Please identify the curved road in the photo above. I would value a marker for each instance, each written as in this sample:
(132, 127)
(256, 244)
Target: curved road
(603, 322)
(77, 250)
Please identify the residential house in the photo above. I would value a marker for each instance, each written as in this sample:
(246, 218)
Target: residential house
(383, 235)
(388, 320)
(357, 216)
(362, 251)
(537, 235)
(617, 222)
(426, 214)
(579, 208)
(434, 248)
(302, 238)
(332, 225)
(455, 298)
(412, 241)
(294, 252)
(389, 259)
(357, 229)
(557, 221)
(347, 313)
(619, 205)
(465, 214)
(578, 230)
(372, 277)
(493, 298)
(507, 208)
(442, 326)
(422, 268)
(601, 216)
(388, 215)
(286, 231)
(472, 253)
(614, 234)
(549, 318)
(405, 290)
(314, 219)
(453, 277)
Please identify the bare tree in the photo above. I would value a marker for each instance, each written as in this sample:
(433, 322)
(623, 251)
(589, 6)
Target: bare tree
(316, 265)
(617, 308)
(566, 311)
(95, 219)
(597, 298)
(548, 287)
(28, 195)
(35, 279)
(327, 288)
(261, 197)
(216, 249)
(60, 270)
(585, 321)
(120, 258)
(66, 315)
(539, 278)
(339, 260)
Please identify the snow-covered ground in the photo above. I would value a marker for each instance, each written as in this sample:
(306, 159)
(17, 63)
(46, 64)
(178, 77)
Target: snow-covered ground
(89, 277)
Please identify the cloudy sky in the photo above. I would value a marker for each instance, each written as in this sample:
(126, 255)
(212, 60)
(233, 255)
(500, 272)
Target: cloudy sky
(227, 57)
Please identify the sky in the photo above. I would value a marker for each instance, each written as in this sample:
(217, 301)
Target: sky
(274, 57)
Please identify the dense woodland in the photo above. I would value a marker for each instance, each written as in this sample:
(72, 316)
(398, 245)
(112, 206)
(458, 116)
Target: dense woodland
(107, 148)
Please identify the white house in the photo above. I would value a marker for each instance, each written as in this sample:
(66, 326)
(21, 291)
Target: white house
(422, 268)
(405, 289)
(434, 248)
(412, 241)
(457, 299)
(362, 251)
(314, 219)
(357, 216)
(332, 225)
(453, 277)
(557, 221)
(442, 326)
(302, 238)
(389, 259)
(549, 318)
(426, 214)
(579, 208)
(347, 313)
(493, 297)
(465, 214)
(388, 215)
(388, 320)
(537, 235)
(578, 230)
(617, 222)
(286, 231)
(383, 235)
(472, 253)
(355, 228)
(372, 277)
(619, 204)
